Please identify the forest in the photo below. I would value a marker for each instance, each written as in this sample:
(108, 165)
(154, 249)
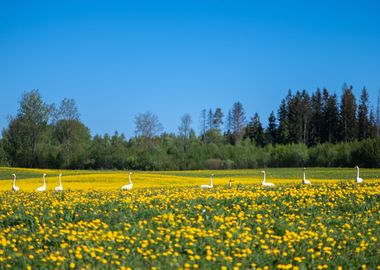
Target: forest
(317, 129)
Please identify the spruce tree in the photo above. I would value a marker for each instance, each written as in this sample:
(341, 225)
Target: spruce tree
(363, 121)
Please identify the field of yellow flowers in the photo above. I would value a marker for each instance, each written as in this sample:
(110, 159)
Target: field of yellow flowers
(332, 224)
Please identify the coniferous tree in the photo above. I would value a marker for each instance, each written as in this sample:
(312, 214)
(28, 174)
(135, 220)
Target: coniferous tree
(363, 121)
(238, 120)
(255, 130)
(271, 132)
(378, 116)
(316, 118)
(283, 126)
(305, 116)
(210, 120)
(330, 132)
(348, 120)
(218, 119)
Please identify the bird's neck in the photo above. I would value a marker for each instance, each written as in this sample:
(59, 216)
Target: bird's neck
(304, 175)
(130, 180)
(357, 176)
(210, 181)
(264, 178)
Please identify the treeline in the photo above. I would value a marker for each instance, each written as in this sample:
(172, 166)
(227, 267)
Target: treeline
(308, 130)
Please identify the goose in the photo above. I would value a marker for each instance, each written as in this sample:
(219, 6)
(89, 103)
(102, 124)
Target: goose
(208, 186)
(264, 181)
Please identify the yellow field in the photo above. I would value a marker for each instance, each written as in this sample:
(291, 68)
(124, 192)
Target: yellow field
(112, 180)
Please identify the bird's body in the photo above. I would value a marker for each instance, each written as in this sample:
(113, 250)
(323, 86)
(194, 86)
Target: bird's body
(208, 186)
(14, 187)
(43, 188)
(265, 183)
(304, 181)
(358, 179)
(59, 188)
(130, 185)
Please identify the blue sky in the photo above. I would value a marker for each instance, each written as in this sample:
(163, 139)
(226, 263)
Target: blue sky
(117, 59)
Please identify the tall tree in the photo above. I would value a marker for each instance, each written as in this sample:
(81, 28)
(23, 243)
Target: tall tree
(147, 125)
(255, 130)
(210, 120)
(330, 132)
(218, 119)
(363, 121)
(25, 131)
(238, 120)
(283, 126)
(378, 115)
(271, 132)
(348, 120)
(203, 122)
(72, 134)
(316, 117)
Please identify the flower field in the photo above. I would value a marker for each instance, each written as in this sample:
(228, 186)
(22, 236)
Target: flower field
(332, 224)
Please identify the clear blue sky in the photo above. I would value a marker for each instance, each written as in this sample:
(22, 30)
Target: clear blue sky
(117, 59)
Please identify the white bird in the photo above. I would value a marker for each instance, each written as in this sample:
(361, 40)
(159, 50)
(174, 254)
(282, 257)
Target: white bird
(43, 188)
(14, 187)
(304, 181)
(264, 181)
(208, 186)
(130, 185)
(358, 179)
(230, 183)
(59, 188)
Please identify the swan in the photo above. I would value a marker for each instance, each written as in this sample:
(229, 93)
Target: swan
(264, 181)
(130, 185)
(59, 188)
(14, 187)
(304, 181)
(358, 179)
(43, 188)
(208, 186)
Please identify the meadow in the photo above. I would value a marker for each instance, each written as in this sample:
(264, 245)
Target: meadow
(167, 221)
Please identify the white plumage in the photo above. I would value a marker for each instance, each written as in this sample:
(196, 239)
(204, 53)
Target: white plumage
(304, 181)
(43, 188)
(358, 179)
(208, 186)
(14, 187)
(130, 185)
(59, 188)
(264, 181)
